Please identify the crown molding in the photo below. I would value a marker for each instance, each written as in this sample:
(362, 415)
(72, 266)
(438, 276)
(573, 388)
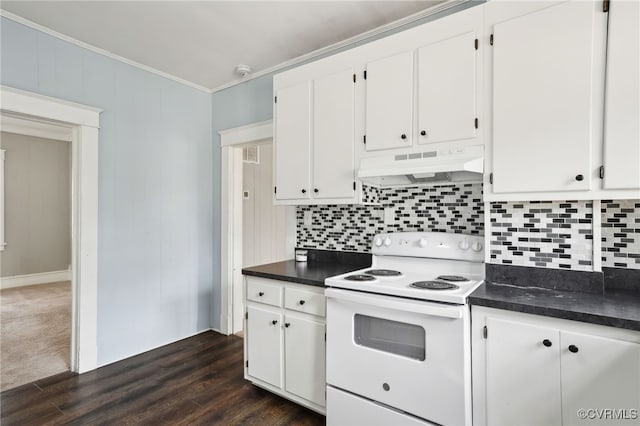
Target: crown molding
(316, 54)
(327, 50)
(48, 31)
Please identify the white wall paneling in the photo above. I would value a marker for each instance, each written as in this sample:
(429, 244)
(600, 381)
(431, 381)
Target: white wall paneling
(84, 122)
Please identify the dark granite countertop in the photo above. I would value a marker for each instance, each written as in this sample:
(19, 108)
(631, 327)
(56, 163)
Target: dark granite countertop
(311, 273)
(618, 308)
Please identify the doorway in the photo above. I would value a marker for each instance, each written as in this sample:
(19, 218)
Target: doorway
(253, 230)
(82, 122)
(35, 257)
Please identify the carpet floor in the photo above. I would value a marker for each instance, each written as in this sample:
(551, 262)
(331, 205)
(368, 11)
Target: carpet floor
(35, 332)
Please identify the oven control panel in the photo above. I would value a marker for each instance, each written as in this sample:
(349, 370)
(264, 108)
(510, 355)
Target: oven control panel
(439, 245)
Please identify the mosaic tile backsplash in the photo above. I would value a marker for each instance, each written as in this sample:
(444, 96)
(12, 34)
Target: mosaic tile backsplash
(447, 208)
(550, 234)
(621, 233)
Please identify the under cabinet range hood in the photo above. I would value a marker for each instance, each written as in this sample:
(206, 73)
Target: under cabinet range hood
(428, 167)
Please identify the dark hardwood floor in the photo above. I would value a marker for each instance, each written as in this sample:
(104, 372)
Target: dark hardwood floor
(196, 381)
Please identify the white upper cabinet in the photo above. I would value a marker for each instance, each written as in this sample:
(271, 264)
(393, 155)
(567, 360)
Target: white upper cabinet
(314, 131)
(447, 89)
(293, 142)
(443, 94)
(546, 81)
(622, 98)
(333, 133)
(389, 102)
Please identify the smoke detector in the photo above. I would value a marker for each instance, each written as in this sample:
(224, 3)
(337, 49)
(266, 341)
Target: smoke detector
(242, 70)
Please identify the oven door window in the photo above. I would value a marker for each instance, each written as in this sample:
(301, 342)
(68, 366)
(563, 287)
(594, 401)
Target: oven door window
(394, 337)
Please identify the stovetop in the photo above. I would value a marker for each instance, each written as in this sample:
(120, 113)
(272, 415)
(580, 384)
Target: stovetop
(404, 263)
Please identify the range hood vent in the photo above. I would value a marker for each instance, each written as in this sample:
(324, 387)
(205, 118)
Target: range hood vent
(431, 167)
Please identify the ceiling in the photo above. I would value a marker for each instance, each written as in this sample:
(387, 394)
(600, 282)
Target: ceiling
(203, 41)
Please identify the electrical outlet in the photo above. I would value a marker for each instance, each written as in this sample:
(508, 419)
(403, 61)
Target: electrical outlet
(389, 216)
(307, 218)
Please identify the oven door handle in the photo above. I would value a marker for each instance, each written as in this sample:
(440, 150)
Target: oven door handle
(406, 305)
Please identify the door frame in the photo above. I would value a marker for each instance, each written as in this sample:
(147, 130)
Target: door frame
(231, 142)
(84, 122)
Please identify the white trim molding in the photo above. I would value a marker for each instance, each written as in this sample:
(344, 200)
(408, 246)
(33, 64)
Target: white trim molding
(252, 133)
(84, 122)
(230, 228)
(34, 279)
(13, 124)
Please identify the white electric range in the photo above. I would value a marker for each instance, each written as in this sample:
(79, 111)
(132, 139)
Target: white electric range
(398, 342)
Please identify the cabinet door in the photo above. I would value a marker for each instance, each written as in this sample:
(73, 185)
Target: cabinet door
(601, 373)
(544, 90)
(622, 98)
(523, 386)
(389, 103)
(447, 89)
(293, 142)
(333, 132)
(264, 345)
(305, 358)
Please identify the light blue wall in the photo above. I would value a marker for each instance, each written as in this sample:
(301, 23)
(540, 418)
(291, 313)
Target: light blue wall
(155, 199)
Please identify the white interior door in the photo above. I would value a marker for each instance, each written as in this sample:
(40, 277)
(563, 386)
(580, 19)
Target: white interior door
(293, 142)
(598, 373)
(543, 98)
(522, 377)
(389, 102)
(333, 135)
(622, 99)
(447, 89)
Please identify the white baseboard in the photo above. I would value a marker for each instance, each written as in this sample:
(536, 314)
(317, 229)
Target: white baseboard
(33, 279)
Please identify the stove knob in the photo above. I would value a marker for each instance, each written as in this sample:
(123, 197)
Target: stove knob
(422, 242)
(387, 241)
(476, 246)
(378, 242)
(464, 244)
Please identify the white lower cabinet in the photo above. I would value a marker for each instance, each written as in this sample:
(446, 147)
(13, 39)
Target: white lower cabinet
(534, 370)
(265, 350)
(304, 352)
(285, 340)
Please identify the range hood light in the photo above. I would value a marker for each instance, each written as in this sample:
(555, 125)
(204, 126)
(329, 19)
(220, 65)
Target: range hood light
(424, 175)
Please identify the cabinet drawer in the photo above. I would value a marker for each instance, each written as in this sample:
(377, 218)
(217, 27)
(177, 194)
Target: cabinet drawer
(305, 301)
(261, 291)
